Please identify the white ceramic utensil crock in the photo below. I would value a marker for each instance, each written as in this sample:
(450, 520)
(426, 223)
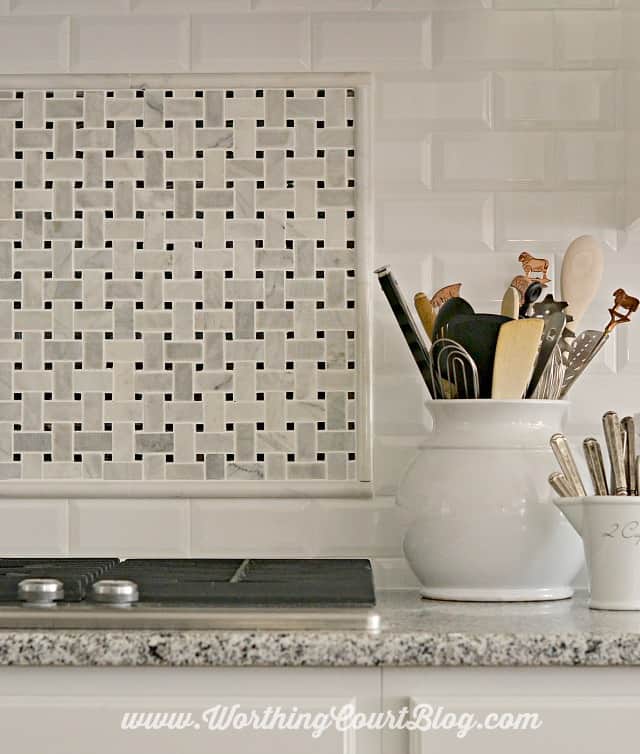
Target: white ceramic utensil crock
(483, 527)
(610, 529)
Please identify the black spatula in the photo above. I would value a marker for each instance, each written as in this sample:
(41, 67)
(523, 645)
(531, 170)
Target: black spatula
(478, 334)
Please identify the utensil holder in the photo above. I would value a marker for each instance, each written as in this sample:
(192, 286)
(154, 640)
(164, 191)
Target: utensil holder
(482, 524)
(610, 529)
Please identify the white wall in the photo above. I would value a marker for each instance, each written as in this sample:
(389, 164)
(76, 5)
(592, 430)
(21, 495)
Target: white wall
(494, 129)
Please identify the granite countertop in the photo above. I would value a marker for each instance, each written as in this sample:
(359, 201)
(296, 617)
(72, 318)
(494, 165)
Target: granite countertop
(413, 632)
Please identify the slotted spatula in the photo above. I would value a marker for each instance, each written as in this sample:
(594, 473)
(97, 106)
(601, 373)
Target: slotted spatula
(516, 353)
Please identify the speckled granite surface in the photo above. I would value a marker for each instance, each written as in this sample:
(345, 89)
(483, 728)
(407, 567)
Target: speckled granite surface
(413, 632)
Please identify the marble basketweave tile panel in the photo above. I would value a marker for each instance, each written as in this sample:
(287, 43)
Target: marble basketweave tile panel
(177, 284)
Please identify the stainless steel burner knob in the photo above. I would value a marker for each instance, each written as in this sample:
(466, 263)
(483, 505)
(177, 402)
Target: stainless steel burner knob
(40, 591)
(115, 591)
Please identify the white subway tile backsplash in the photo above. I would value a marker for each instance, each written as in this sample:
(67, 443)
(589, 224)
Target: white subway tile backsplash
(544, 4)
(152, 528)
(145, 44)
(630, 35)
(291, 528)
(400, 5)
(489, 40)
(440, 222)
(549, 221)
(373, 42)
(75, 7)
(484, 277)
(189, 6)
(437, 102)
(402, 163)
(257, 42)
(34, 44)
(588, 39)
(589, 160)
(249, 528)
(558, 100)
(492, 161)
(33, 527)
(313, 6)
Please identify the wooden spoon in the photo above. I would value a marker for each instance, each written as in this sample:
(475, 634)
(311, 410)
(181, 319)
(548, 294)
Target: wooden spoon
(425, 312)
(516, 353)
(580, 276)
(511, 303)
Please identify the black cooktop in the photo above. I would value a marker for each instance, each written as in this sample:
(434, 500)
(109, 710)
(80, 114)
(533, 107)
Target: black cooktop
(238, 582)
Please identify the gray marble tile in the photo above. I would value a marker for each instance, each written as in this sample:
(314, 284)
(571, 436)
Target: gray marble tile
(168, 270)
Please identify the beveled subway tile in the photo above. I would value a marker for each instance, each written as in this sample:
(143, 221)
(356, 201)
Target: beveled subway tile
(170, 309)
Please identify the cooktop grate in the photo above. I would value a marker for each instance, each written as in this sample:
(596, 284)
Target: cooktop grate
(250, 582)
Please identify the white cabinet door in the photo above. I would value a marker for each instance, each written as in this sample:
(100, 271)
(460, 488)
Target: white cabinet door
(80, 710)
(554, 710)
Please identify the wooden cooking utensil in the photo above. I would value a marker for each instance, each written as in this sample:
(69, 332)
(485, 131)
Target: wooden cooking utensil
(516, 352)
(511, 303)
(580, 275)
(444, 294)
(425, 312)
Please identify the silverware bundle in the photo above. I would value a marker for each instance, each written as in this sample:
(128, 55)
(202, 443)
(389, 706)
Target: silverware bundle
(620, 441)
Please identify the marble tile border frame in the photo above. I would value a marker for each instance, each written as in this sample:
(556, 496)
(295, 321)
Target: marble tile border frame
(364, 243)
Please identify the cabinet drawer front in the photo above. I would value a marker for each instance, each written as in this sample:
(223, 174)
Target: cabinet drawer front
(589, 725)
(75, 725)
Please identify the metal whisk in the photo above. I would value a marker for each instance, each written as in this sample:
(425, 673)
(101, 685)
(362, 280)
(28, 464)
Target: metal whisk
(550, 384)
(453, 371)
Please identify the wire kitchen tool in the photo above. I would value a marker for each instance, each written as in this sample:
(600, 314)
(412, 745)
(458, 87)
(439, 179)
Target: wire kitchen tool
(403, 316)
(548, 387)
(453, 371)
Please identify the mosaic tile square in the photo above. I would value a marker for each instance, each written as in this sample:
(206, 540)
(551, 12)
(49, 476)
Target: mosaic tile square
(177, 284)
